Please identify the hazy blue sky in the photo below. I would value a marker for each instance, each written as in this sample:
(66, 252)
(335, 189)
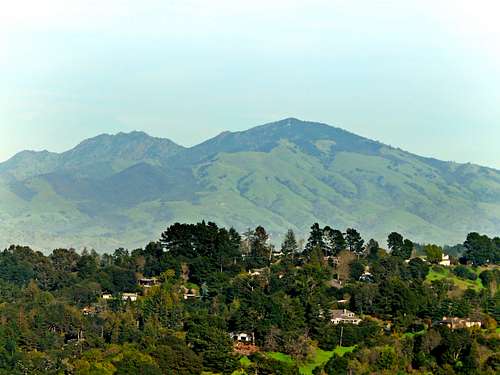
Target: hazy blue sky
(421, 75)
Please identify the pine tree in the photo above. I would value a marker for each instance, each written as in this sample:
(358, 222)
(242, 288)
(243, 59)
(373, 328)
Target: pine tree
(339, 241)
(315, 239)
(260, 250)
(329, 240)
(354, 241)
(395, 241)
(372, 249)
(289, 245)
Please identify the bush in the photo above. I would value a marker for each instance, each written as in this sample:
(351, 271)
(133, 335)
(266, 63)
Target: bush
(269, 366)
(487, 277)
(338, 365)
(464, 273)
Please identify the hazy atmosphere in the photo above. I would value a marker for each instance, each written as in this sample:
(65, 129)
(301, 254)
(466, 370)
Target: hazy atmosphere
(420, 75)
(262, 187)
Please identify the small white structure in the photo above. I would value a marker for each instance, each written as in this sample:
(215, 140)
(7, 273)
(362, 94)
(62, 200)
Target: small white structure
(132, 297)
(242, 337)
(366, 277)
(457, 323)
(148, 282)
(277, 253)
(445, 261)
(89, 310)
(256, 271)
(344, 317)
(107, 296)
(189, 293)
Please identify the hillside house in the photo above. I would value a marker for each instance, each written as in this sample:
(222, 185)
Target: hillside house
(190, 293)
(148, 282)
(131, 297)
(445, 261)
(89, 310)
(458, 323)
(107, 296)
(257, 271)
(277, 253)
(344, 317)
(366, 277)
(242, 337)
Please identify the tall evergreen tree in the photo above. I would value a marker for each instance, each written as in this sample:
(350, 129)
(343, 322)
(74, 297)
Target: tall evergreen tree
(395, 241)
(354, 241)
(289, 247)
(339, 241)
(372, 248)
(328, 240)
(399, 246)
(315, 239)
(260, 250)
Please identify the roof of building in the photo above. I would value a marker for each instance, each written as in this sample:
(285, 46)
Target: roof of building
(343, 314)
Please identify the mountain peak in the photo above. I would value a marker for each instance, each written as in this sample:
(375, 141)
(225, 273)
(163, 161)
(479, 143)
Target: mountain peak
(134, 135)
(285, 174)
(135, 146)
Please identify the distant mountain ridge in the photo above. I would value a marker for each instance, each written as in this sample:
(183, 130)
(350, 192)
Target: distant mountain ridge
(121, 190)
(115, 151)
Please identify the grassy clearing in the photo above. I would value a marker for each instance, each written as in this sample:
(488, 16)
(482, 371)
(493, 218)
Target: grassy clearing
(413, 334)
(245, 362)
(446, 274)
(341, 350)
(281, 357)
(319, 358)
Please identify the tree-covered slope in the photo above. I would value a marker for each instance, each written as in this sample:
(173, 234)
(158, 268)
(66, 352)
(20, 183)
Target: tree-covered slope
(122, 190)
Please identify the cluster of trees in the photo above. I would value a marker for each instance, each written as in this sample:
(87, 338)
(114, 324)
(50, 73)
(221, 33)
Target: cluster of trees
(333, 241)
(53, 319)
(481, 250)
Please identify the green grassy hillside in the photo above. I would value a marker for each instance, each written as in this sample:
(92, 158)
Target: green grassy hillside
(121, 190)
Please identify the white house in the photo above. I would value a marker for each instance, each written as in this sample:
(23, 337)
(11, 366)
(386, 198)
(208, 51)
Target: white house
(132, 297)
(189, 293)
(344, 317)
(257, 271)
(366, 277)
(445, 260)
(148, 282)
(242, 337)
(457, 323)
(107, 296)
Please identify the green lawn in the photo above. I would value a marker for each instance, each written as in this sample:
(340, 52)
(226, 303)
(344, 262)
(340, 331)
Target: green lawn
(448, 275)
(319, 358)
(413, 334)
(281, 357)
(245, 362)
(341, 350)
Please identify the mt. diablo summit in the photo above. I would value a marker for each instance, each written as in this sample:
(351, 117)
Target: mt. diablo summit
(122, 190)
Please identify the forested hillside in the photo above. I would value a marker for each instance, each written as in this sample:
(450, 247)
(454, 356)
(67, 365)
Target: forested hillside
(119, 191)
(206, 299)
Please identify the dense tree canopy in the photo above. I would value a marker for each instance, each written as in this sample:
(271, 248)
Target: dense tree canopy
(176, 305)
